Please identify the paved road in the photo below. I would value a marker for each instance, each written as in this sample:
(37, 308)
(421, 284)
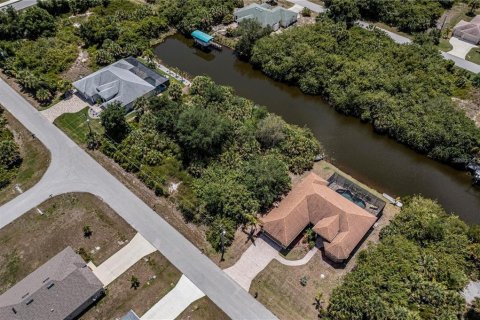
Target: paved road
(19, 5)
(73, 170)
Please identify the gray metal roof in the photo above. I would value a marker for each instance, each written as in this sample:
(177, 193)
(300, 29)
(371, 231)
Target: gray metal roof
(266, 15)
(124, 81)
(53, 291)
(131, 315)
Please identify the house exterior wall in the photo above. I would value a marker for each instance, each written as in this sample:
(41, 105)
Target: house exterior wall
(93, 299)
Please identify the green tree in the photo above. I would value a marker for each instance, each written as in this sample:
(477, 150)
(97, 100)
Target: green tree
(266, 178)
(87, 231)
(250, 31)
(220, 226)
(37, 22)
(134, 283)
(175, 91)
(202, 132)
(114, 123)
(270, 131)
(343, 10)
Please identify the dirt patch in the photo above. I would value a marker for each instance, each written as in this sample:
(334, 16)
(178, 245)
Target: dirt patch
(80, 68)
(471, 107)
(33, 239)
(202, 309)
(36, 159)
(157, 276)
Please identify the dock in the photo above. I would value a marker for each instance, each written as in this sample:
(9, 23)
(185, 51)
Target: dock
(205, 40)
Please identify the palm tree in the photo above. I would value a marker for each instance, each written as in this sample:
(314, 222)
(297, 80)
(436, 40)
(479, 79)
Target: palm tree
(87, 232)
(135, 283)
(43, 95)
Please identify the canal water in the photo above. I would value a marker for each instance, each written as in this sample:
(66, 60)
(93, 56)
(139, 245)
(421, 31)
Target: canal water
(351, 145)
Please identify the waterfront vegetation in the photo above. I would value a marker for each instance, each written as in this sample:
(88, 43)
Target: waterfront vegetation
(424, 259)
(404, 91)
(408, 16)
(10, 158)
(232, 157)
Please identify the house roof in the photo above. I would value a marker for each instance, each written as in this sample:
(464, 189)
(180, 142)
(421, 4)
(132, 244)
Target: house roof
(202, 36)
(471, 28)
(337, 220)
(265, 15)
(124, 81)
(53, 291)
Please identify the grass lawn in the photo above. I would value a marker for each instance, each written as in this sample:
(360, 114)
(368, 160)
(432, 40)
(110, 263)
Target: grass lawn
(157, 277)
(445, 45)
(36, 159)
(76, 127)
(32, 239)
(202, 309)
(473, 55)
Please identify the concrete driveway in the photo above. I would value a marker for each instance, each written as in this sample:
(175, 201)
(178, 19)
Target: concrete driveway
(70, 105)
(122, 260)
(177, 300)
(460, 47)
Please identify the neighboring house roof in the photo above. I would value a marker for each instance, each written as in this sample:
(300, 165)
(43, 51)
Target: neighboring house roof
(54, 291)
(266, 15)
(337, 220)
(131, 315)
(202, 36)
(124, 81)
(469, 31)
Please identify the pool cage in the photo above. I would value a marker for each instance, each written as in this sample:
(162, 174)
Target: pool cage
(373, 204)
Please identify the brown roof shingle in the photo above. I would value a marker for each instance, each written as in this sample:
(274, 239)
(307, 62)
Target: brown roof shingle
(337, 220)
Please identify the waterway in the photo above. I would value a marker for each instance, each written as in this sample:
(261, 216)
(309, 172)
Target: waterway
(351, 145)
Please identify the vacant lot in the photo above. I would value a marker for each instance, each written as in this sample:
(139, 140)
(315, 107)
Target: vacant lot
(31, 240)
(202, 309)
(157, 276)
(36, 159)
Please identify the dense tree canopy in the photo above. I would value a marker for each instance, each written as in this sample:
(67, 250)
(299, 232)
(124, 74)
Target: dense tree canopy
(188, 15)
(403, 90)
(407, 15)
(216, 144)
(417, 271)
(10, 157)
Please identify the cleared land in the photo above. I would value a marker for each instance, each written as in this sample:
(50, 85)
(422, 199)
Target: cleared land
(33, 239)
(157, 276)
(278, 286)
(36, 159)
(202, 309)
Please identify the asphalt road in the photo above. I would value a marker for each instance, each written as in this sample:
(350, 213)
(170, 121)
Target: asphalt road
(73, 170)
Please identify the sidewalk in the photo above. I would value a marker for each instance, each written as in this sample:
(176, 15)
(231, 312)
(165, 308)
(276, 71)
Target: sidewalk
(122, 260)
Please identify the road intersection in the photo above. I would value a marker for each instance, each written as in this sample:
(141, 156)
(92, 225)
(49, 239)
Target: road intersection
(73, 170)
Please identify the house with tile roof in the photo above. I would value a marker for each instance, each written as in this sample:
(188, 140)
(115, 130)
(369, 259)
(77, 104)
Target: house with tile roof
(340, 222)
(123, 81)
(468, 31)
(275, 17)
(62, 288)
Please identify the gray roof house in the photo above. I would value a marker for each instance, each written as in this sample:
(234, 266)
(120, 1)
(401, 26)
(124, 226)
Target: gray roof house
(124, 81)
(468, 31)
(62, 288)
(267, 15)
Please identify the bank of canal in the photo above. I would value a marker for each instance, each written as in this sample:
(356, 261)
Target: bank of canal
(351, 145)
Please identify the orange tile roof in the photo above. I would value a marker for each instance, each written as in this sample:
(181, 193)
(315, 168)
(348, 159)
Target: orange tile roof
(340, 222)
